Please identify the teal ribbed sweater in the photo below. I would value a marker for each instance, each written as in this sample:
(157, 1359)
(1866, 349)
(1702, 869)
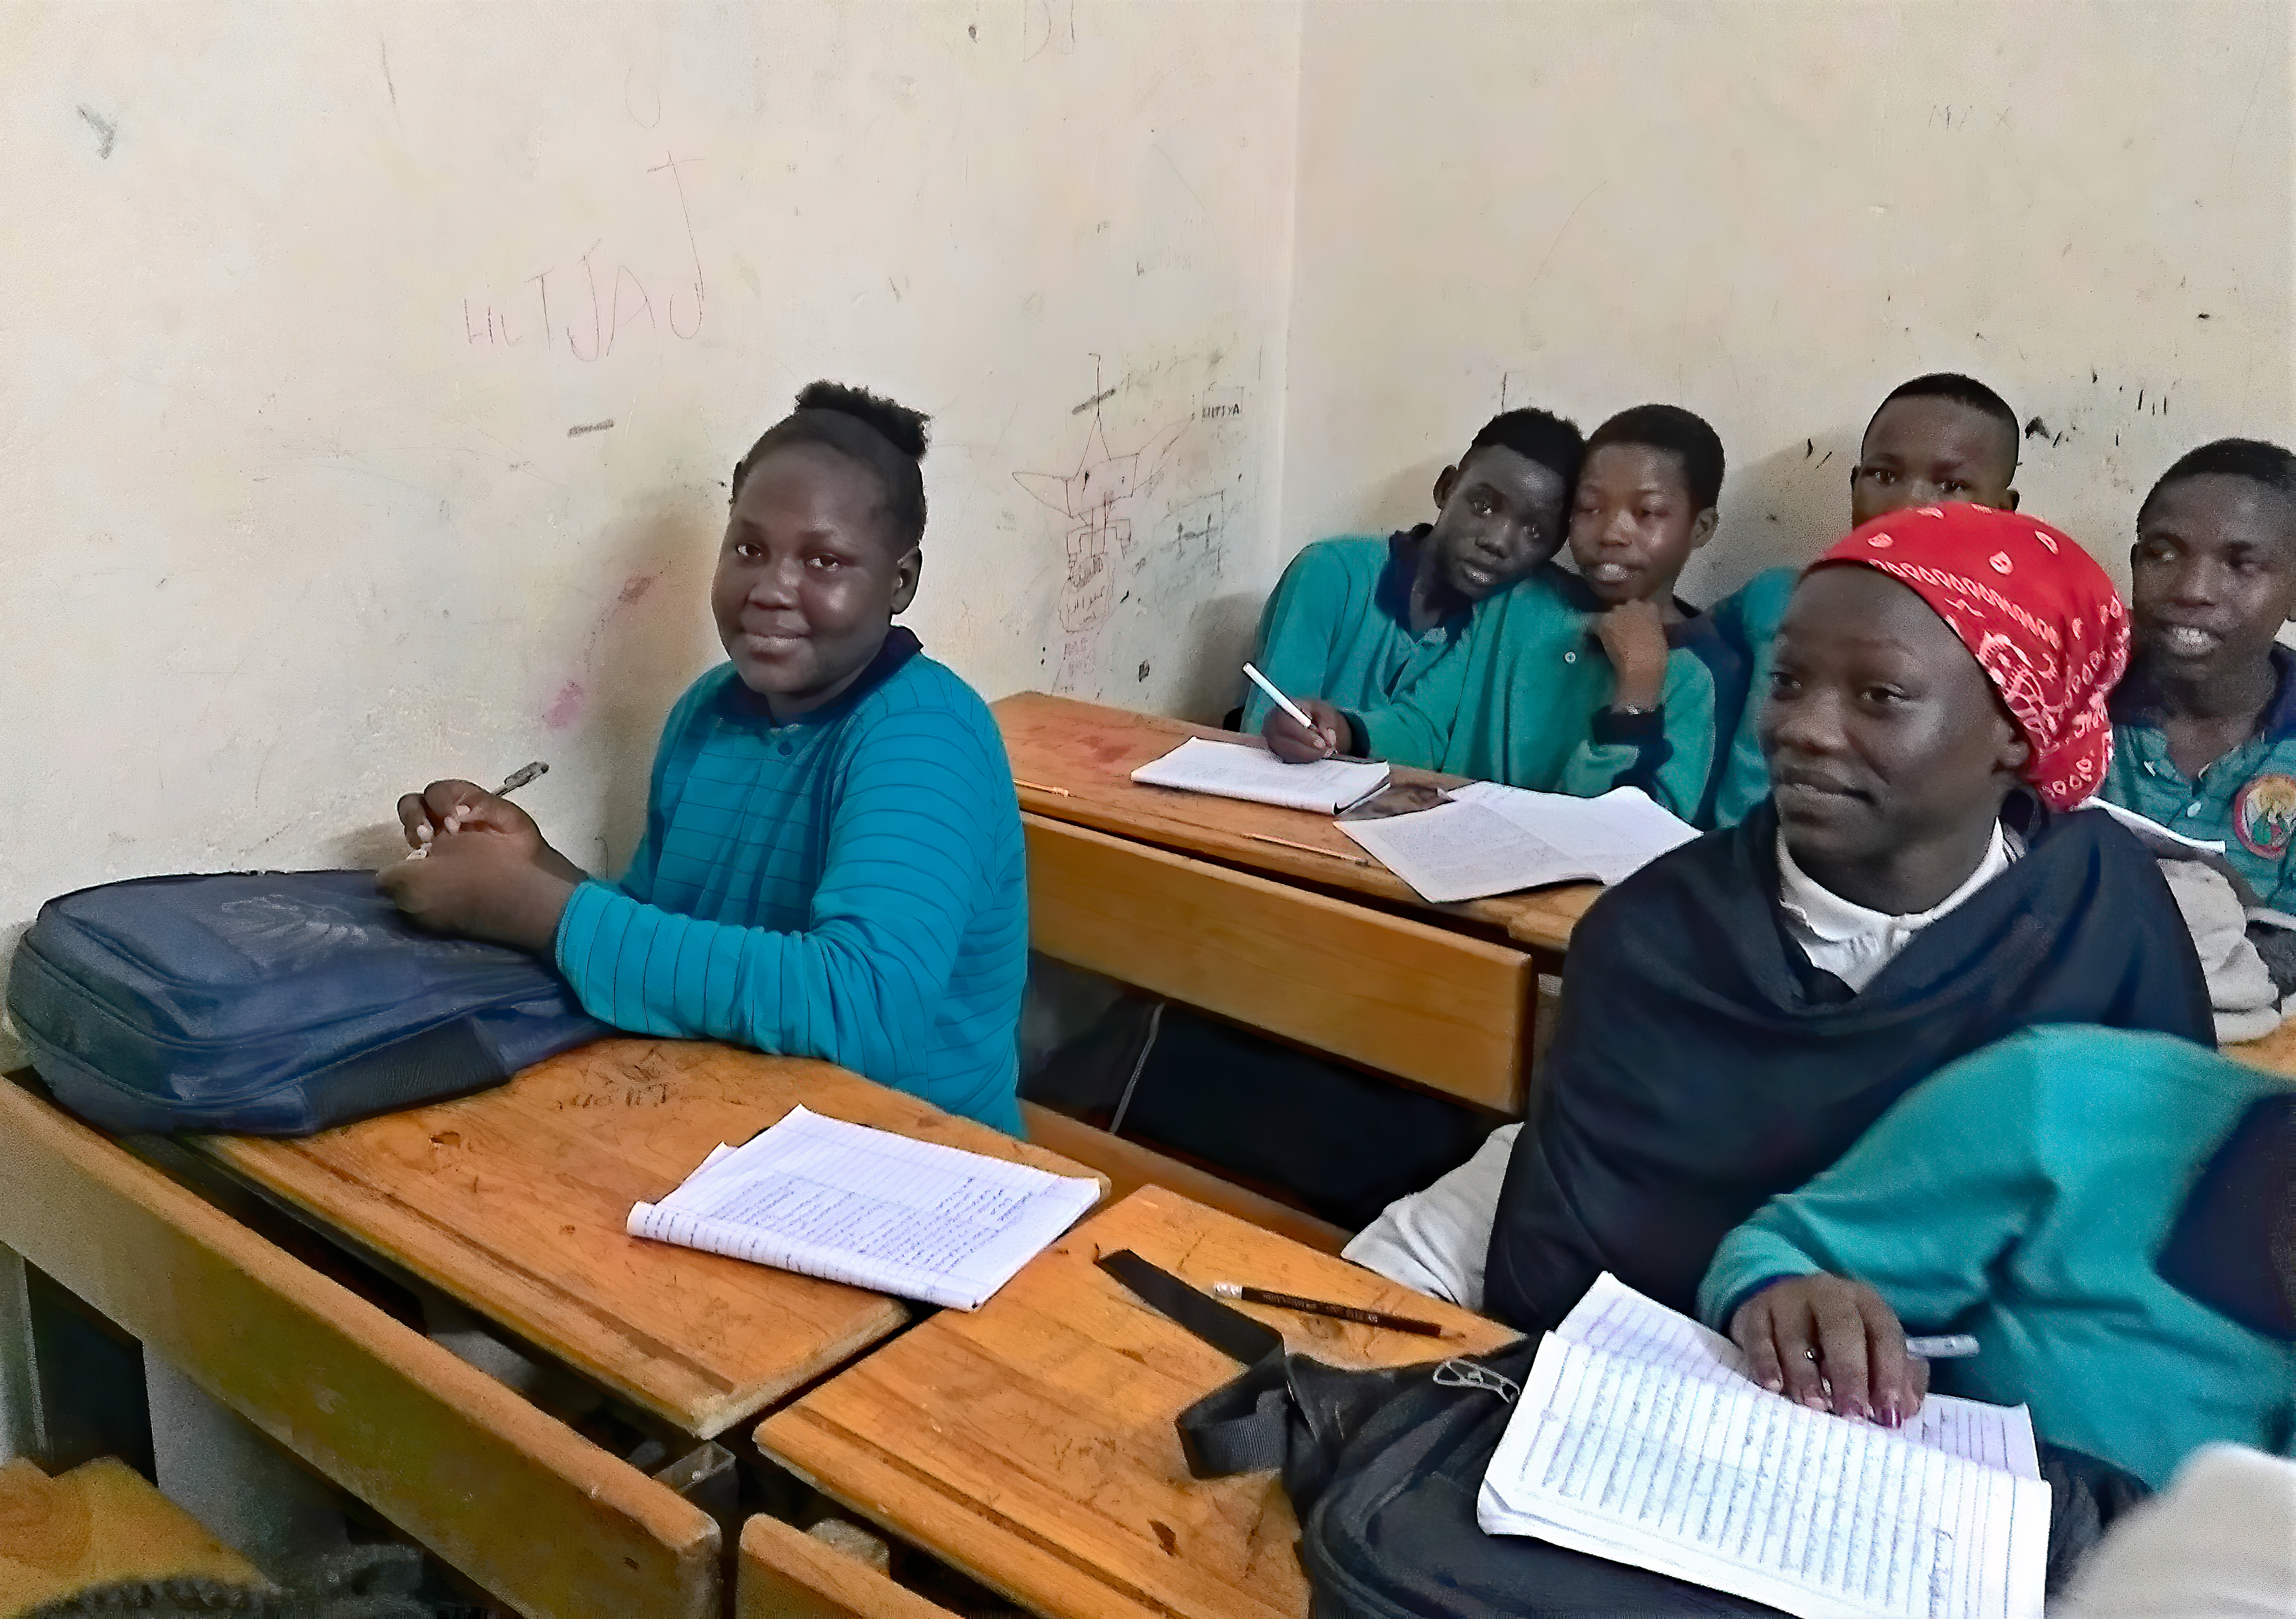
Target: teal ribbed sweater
(2022, 1195)
(850, 886)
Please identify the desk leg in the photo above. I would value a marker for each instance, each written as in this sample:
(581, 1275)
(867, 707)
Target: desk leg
(251, 1493)
(23, 1416)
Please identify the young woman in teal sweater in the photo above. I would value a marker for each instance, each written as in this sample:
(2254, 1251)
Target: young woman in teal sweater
(832, 865)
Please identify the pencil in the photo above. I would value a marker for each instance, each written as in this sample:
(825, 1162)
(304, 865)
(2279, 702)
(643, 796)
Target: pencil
(1329, 854)
(1037, 786)
(1345, 1313)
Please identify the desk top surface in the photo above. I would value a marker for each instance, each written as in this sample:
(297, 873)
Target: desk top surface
(513, 1201)
(1089, 751)
(1031, 1443)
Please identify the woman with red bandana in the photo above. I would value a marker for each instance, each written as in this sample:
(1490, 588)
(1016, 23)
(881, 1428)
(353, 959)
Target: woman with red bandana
(1918, 885)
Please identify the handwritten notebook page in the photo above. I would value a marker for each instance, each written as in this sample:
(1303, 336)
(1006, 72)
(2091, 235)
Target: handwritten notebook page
(1462, 850)
(1616, 834)
(870, 1208)
(1243, 769)
(1612, 1317)
(1731, 1487)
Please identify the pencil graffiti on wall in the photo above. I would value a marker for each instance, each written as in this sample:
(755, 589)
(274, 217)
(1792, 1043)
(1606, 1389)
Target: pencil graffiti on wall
(1101, 497)
(586, 308)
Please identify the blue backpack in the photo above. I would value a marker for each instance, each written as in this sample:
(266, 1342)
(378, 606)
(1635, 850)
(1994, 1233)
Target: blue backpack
(271, 1004)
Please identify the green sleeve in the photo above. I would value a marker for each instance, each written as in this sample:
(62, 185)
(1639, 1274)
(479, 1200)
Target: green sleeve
(1920, 1208)
(1416, 729)
(1745, 772)
(1297, 628)
(1669, 753)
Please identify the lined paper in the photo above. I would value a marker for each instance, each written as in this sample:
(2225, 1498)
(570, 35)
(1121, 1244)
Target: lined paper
(1734, 1488)
(1462, 850)
(1495, 840)
(1614, 1317)
(1616, 834)
(849, 1203)
(1243, 769)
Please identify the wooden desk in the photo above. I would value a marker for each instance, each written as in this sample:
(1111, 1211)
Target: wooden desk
(513, 1201)
(1089, 751)
(2275, 1053)
(1030, 1443)
(522, 1504)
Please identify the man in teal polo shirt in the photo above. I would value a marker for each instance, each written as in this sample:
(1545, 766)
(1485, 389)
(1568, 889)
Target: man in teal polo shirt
(2204, 723)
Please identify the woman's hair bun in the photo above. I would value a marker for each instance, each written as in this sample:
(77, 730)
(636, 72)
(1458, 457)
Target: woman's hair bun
(903, 428)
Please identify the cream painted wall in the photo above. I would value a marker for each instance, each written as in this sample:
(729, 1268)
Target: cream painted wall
(307, 501)
(1774, 213)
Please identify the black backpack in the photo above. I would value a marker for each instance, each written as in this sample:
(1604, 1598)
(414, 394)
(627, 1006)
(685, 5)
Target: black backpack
(1382, 1468)
(271, 1004)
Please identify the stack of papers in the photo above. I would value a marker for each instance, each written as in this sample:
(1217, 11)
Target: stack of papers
(1495, 840)
(869, 1208)
(1246, 769)
(1639, 1438)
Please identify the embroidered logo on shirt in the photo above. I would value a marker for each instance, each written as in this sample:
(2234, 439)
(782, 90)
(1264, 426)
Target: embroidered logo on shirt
(2264, 815)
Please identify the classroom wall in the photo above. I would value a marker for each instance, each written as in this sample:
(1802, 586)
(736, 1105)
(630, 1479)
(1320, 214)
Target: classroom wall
(1772, 214)
(372, 372)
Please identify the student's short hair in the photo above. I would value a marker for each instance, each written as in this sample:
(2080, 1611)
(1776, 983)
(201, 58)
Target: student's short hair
(1961, 391)
(1553, 441)
(2254, 459)
(1670, 427)
(886, 437)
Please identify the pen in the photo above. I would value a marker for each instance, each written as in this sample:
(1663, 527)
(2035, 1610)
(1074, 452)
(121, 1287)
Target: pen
(511, 783)
(1952, 1347)
(1345, 1313)
(1282, 701)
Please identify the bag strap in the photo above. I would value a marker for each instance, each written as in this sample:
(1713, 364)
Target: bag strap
(1245, 1425)
(1233, 1333)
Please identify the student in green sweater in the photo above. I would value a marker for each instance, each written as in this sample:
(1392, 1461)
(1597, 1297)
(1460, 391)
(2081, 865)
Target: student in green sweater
(1578, 685)
(2204, 722)
(2110, 1213)
(1354, 621)
(832, 865)
(1937, 438)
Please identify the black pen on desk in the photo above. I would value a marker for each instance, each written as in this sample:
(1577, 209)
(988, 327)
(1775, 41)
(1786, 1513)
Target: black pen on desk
(512, 783)
(1344, 1313)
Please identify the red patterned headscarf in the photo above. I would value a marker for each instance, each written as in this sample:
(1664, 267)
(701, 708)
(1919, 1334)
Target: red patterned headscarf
(2041, 618)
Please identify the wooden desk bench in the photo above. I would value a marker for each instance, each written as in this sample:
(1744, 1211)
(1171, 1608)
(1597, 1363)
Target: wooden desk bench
(785, 1573)
(99, 1524)
(1270, 917)
(513, 1201)
(1072, 761)
(2275, 1053)
(1030, 1443)
(520, 1504)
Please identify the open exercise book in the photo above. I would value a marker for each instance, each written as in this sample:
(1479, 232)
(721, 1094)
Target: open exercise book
(1639, 1438)
(1246, 769)
(849, 1203)
(1493, 840)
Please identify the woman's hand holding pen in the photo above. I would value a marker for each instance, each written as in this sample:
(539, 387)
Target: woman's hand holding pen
(487, 873)
(1298, 745)
(1832, 1344)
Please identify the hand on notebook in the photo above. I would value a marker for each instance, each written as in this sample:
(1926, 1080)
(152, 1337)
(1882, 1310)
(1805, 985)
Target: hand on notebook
(1832, 1344)
(1295, 744)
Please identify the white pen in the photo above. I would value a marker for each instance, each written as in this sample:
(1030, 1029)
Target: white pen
(1952, 1346)
(511, 783)
(1282, 701)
